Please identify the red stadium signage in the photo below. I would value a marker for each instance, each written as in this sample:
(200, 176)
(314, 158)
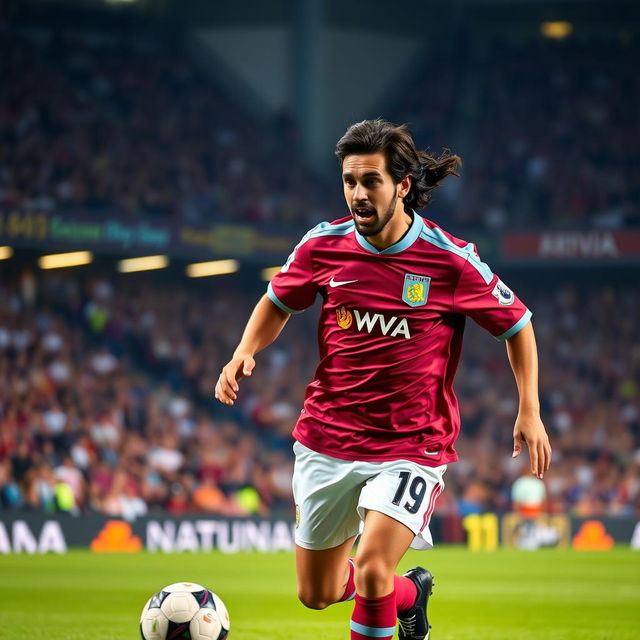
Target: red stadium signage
(571, 245)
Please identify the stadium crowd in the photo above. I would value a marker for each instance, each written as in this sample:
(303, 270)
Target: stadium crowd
(556, 121)
(546, 129)
(106, 382)
(132, 127)
(106, 400)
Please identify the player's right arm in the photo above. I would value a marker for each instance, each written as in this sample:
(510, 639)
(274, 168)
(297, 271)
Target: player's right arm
(291, 290)
(264, 326)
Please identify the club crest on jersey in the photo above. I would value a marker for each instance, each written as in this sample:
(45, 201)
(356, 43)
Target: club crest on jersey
(415, 290)
(503, 294)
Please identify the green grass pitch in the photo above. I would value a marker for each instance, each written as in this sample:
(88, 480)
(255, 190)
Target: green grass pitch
(505, 595)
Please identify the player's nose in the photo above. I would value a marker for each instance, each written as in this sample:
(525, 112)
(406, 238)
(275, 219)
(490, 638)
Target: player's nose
(360, 194)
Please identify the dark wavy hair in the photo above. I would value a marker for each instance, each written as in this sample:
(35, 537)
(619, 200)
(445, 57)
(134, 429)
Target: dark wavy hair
(403, 159)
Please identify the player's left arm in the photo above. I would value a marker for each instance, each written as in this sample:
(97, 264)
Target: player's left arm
(523, 357)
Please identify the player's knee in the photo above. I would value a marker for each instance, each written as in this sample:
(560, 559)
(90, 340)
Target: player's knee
(312, 600)
(372, 576)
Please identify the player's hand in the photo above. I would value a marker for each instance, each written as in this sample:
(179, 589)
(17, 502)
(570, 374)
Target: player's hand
(529, 429)
(227, 385)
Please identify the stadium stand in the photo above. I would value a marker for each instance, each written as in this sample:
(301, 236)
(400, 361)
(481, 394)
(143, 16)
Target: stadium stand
(550, 139)
(93, 124)
(118, 125)
(106, 401)
(106, 384)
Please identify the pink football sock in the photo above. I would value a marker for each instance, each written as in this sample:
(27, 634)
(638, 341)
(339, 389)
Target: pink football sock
(350, 588)
(374, 618)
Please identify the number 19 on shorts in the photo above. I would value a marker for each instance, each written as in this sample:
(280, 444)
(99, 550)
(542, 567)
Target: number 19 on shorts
(417, 491)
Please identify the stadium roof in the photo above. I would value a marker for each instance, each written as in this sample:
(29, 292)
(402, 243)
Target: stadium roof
(415, 17)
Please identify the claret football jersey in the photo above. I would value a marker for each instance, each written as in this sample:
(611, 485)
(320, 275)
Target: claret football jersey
(390, 335)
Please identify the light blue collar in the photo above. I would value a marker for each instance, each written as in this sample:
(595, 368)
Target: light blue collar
(409, 238)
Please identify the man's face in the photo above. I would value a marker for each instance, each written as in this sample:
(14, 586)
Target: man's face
(369, 191)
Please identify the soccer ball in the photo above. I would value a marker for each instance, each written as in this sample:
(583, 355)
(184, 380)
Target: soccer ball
(184, 611)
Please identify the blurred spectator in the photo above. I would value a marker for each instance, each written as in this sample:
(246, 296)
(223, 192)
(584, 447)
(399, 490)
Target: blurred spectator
(209, 498)
(122, 499)
(528, 496)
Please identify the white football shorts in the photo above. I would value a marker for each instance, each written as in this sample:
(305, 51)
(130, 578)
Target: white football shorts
(333, 495)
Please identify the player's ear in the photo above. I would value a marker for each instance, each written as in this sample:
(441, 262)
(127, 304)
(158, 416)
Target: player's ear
(405, 186)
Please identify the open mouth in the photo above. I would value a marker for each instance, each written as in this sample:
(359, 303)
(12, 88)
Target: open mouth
(364, 216)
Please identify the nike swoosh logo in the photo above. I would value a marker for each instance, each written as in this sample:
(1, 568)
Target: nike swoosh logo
(339, 283)
(430, 453)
